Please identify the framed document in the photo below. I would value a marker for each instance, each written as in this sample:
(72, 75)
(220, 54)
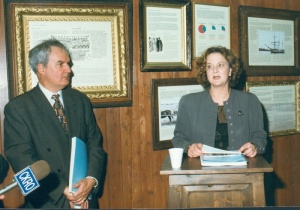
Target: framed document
(269, 41)
(211, 27)
(280, 101)
(165, 29)
(98, 35)
(166, 94)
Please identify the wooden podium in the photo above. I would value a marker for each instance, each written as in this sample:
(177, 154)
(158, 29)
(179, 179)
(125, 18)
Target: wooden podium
(194, 186)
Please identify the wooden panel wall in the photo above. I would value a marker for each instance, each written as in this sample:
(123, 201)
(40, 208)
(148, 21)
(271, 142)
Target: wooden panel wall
(133, 179)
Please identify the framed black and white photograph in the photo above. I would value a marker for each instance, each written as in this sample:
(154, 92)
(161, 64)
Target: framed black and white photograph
(166, 94)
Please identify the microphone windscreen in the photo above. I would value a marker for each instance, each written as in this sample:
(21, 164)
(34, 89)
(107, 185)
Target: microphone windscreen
(40, 169)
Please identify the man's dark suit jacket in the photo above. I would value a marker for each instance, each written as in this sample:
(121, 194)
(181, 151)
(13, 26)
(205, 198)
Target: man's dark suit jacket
(32, 132)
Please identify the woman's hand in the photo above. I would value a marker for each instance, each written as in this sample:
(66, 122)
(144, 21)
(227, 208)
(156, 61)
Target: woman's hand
(195, 150)
(248, 149)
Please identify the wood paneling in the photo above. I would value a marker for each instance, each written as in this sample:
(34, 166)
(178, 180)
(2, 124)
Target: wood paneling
(132, 179)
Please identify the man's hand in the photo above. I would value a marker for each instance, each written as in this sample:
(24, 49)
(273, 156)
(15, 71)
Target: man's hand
(84, 188)
(85, 205)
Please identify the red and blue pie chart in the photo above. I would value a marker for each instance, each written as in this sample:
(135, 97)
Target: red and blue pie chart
(202, 29)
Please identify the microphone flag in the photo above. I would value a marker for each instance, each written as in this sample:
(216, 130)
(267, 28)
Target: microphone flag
(26, 180)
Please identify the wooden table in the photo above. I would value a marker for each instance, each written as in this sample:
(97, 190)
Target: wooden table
(194, 186)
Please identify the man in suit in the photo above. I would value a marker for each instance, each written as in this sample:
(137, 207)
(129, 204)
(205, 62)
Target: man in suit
(33, 132)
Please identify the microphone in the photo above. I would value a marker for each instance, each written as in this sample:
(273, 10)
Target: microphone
(28, 178)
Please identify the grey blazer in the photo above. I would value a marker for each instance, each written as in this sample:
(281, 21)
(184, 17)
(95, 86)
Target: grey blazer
(32, 132)
(197, 118)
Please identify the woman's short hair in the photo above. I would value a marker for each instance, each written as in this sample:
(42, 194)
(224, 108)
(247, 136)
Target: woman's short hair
(231, 58)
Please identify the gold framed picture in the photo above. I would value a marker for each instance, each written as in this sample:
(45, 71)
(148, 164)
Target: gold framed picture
(281, 105)
(97, 34)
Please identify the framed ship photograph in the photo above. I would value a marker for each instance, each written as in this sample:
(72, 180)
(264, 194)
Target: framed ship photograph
(269, 41)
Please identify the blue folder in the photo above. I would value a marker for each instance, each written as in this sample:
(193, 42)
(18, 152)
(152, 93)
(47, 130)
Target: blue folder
(79, 162)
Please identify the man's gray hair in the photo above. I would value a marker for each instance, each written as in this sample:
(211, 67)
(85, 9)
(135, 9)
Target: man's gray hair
(40, 53)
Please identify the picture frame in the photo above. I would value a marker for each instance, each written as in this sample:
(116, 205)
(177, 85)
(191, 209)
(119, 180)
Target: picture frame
(211, 27)
(97, 33)
(269, 41)
(165, 97)
(165, 35)
(281, 105)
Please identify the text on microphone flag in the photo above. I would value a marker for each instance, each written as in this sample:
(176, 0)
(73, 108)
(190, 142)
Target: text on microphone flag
(26, 180)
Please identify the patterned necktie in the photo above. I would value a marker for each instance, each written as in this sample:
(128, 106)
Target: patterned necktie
(60, 112)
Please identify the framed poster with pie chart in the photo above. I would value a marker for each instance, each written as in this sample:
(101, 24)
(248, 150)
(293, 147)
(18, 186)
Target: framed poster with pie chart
(211, 27)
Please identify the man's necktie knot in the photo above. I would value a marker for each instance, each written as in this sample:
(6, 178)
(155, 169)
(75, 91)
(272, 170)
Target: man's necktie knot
(60, 112)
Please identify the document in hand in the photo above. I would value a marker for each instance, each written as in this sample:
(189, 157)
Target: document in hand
(218, 157)
(79, 162)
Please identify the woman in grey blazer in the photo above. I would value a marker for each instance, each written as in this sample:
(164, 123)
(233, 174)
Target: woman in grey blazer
(220, 116)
